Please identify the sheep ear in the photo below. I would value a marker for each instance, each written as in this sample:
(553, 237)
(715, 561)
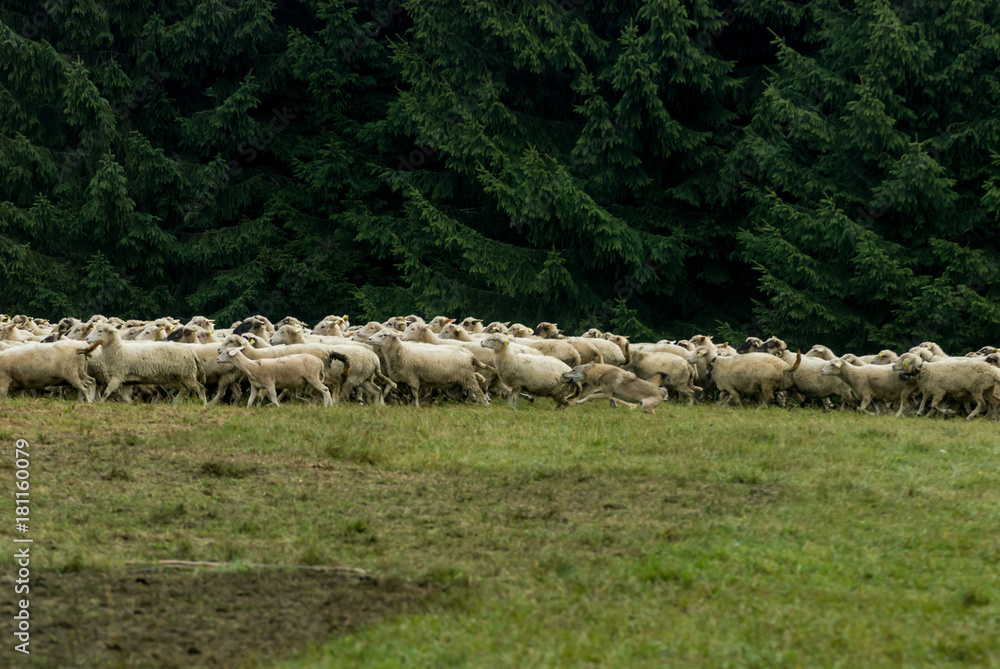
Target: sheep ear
(298, 329)
(232, 351)
(837, 364)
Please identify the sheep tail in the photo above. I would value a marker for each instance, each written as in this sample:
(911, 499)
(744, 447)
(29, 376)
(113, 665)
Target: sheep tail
(657, 379)
(334, 355)
(87, 351)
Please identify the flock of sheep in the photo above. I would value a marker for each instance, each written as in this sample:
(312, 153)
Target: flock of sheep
(408, 360)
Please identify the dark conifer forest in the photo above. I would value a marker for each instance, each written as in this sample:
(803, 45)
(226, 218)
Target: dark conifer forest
(825, 171)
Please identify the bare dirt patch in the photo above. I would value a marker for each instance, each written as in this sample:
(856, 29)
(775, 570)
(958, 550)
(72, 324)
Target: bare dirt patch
(179, 618)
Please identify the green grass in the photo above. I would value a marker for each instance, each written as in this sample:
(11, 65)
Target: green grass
(696, 536)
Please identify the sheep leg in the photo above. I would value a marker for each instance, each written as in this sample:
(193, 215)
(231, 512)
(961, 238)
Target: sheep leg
(327, 395)
(980, 404)
(937, 404)
(113, 385)
(272, 394)
(374, 392)
(515, 392)
(253, 395)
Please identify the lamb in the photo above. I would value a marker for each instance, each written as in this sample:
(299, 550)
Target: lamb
(677, 374)
(873, 383)
(960, 379)
(287, 372)
(359, 369)
(538, 375)
(758, 373)
(366, 364)
(422, 365)
(151, 363)
(41, 365)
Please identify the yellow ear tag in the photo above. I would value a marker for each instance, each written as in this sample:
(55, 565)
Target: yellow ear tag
(506, 343)
(837, 364)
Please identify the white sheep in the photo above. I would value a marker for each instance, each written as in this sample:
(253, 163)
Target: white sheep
(427, 366)
(421, 333)
(149, 363)
(761, 374)
(959, 379)
(538, 375)
(289, 372)
(36, 365)
(873, 383)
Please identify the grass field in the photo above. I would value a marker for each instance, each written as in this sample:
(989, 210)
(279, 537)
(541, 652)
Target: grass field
(696, 537)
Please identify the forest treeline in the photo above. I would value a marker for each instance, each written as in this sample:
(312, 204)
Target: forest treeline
(828, 171)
